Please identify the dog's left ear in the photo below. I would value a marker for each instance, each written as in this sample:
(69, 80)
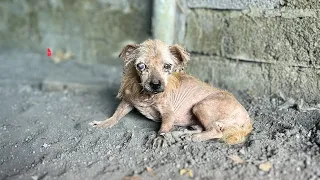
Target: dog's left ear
(181, 56)
(128, 53)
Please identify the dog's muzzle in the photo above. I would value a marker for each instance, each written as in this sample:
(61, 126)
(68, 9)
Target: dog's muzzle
(156, 86)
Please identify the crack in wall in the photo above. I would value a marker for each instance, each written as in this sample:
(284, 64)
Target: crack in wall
(248, 60)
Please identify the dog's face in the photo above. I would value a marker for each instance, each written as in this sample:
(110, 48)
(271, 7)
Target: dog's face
(155, 61)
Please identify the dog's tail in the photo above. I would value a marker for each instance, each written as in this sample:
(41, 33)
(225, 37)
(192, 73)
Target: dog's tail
(237, 134)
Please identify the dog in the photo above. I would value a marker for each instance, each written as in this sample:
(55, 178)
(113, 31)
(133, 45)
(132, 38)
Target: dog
(155, 83)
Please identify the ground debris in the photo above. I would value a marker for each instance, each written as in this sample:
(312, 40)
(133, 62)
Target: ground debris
(186, 171)
(266, 166)
(300, 106)
(45, 145)
(61, 55)
(151, 171)
(171, 138)
(236, 159)
(134, 177)
(287, 104)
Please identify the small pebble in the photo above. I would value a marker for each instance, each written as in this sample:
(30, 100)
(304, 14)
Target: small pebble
(45, 145)
(242, 151)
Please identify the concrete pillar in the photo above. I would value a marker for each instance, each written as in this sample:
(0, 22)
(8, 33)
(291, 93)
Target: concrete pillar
(163, 20)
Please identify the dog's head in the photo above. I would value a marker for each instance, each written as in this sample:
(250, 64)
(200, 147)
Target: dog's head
(154, 62)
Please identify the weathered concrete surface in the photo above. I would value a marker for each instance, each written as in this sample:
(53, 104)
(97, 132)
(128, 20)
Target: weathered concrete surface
(95, 31)
(233, 4)
(258, 78)
(261, 4)
(301, 4)
(292, 41)
(285, 42)
(232, 75)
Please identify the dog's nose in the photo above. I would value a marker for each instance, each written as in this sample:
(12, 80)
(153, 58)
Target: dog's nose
(155, 85)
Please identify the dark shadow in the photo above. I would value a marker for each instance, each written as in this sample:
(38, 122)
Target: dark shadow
(108, 96)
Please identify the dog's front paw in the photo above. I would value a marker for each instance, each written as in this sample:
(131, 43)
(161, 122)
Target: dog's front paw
(181, 135)
(159, 142)
(164, 140)
(103, 124)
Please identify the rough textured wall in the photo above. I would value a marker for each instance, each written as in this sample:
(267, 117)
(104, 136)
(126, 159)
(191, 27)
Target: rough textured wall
(257, 47)
(94, 30)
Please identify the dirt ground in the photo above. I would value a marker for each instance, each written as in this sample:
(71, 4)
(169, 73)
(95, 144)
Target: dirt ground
(45, 133)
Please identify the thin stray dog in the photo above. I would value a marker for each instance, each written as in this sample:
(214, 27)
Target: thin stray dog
(155, 84)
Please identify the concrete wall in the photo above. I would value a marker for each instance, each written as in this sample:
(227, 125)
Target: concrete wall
(94, 30)
(263, 46)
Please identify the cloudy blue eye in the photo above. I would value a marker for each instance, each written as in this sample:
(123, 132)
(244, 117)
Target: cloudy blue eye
(141, 66)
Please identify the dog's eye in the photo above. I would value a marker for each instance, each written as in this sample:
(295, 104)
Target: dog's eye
(167, 66)
(141, 66)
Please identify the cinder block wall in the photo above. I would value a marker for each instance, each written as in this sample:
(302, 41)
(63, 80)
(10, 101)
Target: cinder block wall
(94, 30)
(263, 46)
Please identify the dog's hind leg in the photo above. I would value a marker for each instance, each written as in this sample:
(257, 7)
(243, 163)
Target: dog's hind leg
(207, 135)
(203, 111)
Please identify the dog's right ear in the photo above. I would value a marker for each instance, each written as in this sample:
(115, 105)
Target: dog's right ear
(128, 53)
(181, 56)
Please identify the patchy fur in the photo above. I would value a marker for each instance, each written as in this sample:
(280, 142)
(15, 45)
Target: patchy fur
(154, 83)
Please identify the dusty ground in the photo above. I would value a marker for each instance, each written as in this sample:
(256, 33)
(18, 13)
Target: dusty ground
(46, 108)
